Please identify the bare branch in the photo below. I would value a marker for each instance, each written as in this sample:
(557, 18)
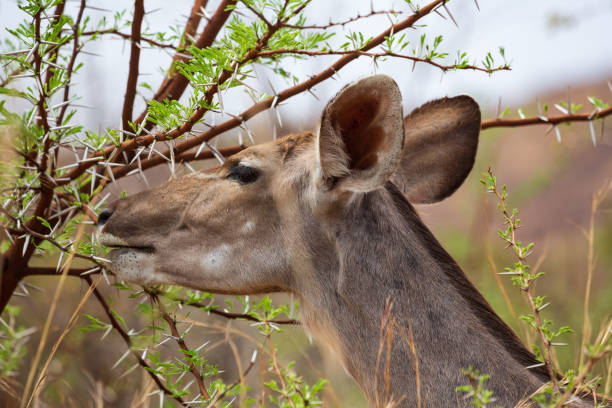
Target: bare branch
(344, 22)
(132, 81)
(69, 69)
(126, 36)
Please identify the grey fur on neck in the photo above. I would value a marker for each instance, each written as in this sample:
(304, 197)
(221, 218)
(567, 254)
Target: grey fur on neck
(383, 248)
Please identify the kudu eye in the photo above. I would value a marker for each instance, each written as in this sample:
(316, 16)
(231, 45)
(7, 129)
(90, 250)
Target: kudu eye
(243, 174)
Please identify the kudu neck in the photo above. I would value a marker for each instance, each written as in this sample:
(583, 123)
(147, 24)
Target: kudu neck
(400, 312)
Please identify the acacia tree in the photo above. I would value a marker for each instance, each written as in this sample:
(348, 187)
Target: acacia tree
(48, 202)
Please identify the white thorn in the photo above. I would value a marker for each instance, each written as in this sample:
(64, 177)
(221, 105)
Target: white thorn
(108, 330)
(592, 130)
(121, 359)
(26, 244)
(561, 108)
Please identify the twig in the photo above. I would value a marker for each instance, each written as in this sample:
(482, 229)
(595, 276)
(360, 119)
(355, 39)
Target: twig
(344, 22)
(225, 314)
(375, 55)
(521, 254)
(236, 382)
(42, 121)
(126, 36)
(182, 345)
(59, 10)
(548, 120)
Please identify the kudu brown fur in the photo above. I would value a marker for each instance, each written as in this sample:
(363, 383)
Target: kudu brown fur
(329, 217)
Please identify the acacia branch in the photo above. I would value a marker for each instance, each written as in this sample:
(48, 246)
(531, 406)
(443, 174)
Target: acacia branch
(344, 22)
(126, 36)
(259, 107)
(228, 315)
(132, 81)
(42, 121)
(192, 24)
(17, 257)
(547, 120)
(295, 90)
(11, 76)
(182, 345)
(375, 55)
(128, 341)
(59, 10)
(47, 237)
(178, 157)
(173, 87)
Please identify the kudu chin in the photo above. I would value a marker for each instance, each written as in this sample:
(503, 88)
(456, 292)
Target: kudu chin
(329, 217)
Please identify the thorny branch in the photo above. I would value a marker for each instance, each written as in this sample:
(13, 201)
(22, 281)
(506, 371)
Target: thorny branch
(547, 120)
(376, 55)
(114, 31)
(238, 120)
(228, 315)
(128, 341)
(331, 23)
(197, 375)
(173, 87)
(83, 272)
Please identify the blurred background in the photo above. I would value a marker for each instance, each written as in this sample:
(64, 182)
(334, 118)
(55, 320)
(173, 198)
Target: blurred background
(558, 50)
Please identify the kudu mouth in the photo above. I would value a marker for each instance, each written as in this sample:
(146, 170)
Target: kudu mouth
(116, 243)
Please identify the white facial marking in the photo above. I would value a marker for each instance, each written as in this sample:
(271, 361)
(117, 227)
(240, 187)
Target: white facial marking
(251, 162)
(204, 176)
(216, 258)
(247, 227)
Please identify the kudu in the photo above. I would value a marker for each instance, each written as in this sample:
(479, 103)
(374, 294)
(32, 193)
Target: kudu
(329, 217)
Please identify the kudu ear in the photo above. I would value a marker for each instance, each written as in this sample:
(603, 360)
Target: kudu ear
(361, 136)
(440, 144)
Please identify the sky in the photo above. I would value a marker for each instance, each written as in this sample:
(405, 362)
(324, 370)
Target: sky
(550, 44)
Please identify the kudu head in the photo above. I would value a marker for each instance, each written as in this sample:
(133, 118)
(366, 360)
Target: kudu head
(247, 226)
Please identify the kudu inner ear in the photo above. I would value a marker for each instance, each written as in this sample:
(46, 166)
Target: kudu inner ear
(361, 135)
(440, 144)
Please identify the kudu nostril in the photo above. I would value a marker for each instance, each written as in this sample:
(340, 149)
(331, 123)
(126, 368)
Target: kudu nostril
(103, 217)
